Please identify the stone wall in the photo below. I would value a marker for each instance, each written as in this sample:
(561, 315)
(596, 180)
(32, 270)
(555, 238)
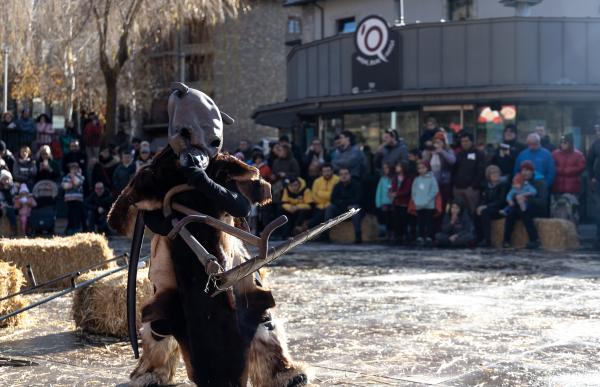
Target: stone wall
(250, 66)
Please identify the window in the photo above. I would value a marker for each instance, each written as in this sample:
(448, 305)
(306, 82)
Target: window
(198, 67)
(460, 9)
(294, 26)
(346, 25)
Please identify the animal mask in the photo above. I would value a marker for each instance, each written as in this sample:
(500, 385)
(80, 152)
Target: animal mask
(195, 125)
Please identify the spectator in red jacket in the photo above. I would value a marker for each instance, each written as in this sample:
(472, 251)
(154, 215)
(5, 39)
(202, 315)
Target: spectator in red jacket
(570, 164)
(92, 139)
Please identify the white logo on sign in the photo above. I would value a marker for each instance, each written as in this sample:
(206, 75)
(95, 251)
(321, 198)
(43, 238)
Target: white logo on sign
(372, 37)
(372, 40)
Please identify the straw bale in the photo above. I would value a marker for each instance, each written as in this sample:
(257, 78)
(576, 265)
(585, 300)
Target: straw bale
(101, 308)
(344, 232)
(11, 281)
(5, 228)
(52, 257)
(555, 234)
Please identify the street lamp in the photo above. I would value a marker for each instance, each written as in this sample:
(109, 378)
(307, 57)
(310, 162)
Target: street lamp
(5, 50)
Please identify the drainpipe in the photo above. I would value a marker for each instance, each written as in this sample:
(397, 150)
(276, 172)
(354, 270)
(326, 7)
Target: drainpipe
(322, 11)
(399, 13)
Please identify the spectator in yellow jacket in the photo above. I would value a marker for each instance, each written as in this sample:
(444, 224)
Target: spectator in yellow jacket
(322, 189)
(296, 204)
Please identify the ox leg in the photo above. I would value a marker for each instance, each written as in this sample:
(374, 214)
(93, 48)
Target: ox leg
(158, 363)
(269, 362)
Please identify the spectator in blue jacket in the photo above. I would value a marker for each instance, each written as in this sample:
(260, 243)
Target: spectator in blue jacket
(540, 157)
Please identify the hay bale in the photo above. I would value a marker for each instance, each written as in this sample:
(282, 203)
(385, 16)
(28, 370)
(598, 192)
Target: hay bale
(101, 308)
(51, 257)
(5, 228)
(11, 281)
(344, 232)
(555, 234)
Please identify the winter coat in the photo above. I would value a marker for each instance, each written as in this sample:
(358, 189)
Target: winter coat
(26, 125)
(122, 175)
(505, 163)
(301, 198)
(391, 155)
(345, 195)
(9, 161)
(92, 134)
(547, 144)
(593, 159)
(73, 187)
(469, 169)
(289, 166)
(352, 158)
(494, 196)
(382, 197)
(463, 225)
(322, 190)
(44, 174)
(104, 201)
(103, 171)
(447, 160)
(424, 189)
(569, 167)
(542, 161)
(24, 171)
(540, 203)
(402, 188)
(45, 131)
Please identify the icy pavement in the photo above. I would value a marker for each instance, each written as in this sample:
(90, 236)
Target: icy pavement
(378, 315)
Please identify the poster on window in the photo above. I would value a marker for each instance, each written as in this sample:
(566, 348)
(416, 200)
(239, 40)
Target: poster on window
(375, 64)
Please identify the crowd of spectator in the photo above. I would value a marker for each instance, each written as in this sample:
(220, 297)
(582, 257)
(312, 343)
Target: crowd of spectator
(445, 192)
(441, 193)
(82, 173)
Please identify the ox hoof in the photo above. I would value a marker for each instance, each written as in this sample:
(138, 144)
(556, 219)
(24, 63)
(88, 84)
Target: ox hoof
(298, 380)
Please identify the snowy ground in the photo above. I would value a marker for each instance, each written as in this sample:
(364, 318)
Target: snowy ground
(379, 315)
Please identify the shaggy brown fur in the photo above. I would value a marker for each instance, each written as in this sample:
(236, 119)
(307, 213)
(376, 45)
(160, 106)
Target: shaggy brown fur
(146, 191)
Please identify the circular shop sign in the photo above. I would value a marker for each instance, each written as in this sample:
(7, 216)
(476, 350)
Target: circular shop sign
(372, 37)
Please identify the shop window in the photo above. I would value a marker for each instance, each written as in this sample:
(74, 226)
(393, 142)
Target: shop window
(346, 25)
(460, 10)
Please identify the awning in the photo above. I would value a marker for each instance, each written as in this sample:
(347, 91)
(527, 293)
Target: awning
(290, 113)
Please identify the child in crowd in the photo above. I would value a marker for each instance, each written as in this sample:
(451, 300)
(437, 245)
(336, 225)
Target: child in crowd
(457, 228)
(424, 191)
(519, 187)
(383, 201)
(258, 160)
(400, 194)
(72, 184)
(24, 202)
(24, 169)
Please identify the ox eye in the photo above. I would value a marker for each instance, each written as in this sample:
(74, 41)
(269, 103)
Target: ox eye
(215, 143)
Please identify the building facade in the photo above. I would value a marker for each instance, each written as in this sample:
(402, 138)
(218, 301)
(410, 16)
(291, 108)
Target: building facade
(240, 63)
(471, 64)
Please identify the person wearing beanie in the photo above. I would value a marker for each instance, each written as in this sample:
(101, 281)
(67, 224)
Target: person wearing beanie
(536, 206)
(493, 199)
(296, 203)
(570, 164)
(509, 137)
(441, 159)
(540, 157)
(469, 172)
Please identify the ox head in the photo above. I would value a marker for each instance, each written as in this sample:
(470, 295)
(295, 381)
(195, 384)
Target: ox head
(195, 125)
